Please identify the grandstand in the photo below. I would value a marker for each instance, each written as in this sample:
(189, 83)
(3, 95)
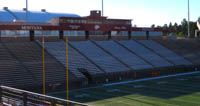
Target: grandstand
(107, 63)
(101, 52)
(150, 57)
(12, 71)
(94, 62)
(170, 56)
(130, 59)
(78, 64)
(188, 51)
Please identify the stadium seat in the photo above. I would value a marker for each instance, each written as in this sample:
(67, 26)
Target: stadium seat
(146, 54)
(104, 60)
(164, 52)
(124, 55)
(78, 64)
(30, 54)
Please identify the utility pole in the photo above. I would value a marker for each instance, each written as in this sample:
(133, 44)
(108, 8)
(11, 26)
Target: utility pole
(188, 18)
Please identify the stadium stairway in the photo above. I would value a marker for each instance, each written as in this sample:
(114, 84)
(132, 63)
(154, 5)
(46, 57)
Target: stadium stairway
(30, 54)
(12, 72)
(114, 70)
(78, 64)
(183, 49)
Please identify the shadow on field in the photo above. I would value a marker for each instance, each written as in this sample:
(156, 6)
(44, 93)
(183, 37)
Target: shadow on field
(162, 88)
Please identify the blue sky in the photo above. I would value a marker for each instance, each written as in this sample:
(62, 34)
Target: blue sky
(144, 13)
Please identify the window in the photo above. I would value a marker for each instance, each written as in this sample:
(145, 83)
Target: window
(156, 33)
(14, 33)
(47, 33)
(119, 33)
(74, 33)
(138, 33)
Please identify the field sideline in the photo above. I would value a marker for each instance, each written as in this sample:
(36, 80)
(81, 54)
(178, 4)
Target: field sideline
(176, 90)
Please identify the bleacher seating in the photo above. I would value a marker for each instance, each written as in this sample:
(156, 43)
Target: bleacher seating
(182, 49)
(164, 52)
(76, 60)
(12, 73)
(30, 54)
(97, 55)
(124, 55)
(191, 45)
(145, 53)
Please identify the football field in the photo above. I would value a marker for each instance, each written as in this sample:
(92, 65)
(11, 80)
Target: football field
(173, 91)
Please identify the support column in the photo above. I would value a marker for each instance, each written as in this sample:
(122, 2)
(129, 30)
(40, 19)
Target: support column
(32, 34)
(147, 35)
(61, 34)
(86, 35)
(109, 35)
(129, 35)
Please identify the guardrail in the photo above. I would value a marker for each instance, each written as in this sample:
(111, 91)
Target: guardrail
(16, 97)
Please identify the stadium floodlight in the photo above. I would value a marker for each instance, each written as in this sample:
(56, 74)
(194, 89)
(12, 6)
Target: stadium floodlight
(188, 18)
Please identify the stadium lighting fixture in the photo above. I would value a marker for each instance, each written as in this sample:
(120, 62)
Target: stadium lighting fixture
(26, 10)
(188, 18)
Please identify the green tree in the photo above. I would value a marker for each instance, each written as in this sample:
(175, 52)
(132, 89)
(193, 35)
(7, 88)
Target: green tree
(165, 27)
(175, 26)
(170, 26)
(153, 26)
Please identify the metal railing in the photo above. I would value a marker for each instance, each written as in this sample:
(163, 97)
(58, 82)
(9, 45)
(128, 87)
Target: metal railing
(16, 97)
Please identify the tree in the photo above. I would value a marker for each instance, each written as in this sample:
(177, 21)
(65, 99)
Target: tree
(165, 27)
(180, 34)
(153, 26)
(170, 26)
(175, 26)
(181, 28)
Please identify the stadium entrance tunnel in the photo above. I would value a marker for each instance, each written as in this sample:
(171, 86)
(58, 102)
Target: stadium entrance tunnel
(86, 74)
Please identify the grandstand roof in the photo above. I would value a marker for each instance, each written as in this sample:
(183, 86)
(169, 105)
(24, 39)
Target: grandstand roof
(7, 15)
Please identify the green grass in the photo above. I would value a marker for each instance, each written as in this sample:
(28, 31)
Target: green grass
(175, 92)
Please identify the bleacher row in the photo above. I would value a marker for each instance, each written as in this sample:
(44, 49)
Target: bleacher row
(94, 62)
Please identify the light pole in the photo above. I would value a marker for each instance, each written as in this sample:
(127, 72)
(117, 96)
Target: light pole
(26, 10)
(102, 8)
(188, 18)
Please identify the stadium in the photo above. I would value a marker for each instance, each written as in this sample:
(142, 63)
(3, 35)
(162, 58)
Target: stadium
(103, 61)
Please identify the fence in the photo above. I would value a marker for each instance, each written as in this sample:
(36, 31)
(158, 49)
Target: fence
(16, 97)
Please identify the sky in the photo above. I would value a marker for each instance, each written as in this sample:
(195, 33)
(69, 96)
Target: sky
(143, 13)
